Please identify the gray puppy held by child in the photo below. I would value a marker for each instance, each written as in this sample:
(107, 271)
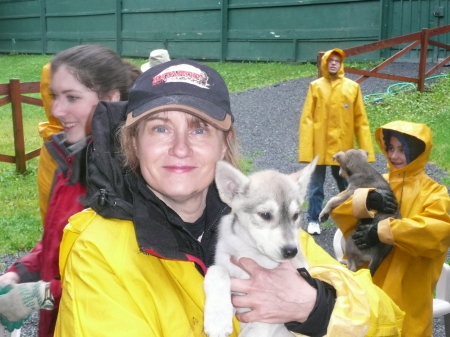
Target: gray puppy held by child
(360, 174)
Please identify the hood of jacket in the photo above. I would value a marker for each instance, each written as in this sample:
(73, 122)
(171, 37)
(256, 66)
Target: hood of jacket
(418, 130)
(324, 63)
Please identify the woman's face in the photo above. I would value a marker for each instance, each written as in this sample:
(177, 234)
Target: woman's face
(177, 156)
(396, 154)
(73, 104)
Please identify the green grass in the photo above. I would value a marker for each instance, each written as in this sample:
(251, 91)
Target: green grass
(20, 225)
(242, 76)
(430, 107)
(19, 221)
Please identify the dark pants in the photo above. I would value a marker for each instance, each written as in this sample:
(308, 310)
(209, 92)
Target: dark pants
(315, 189)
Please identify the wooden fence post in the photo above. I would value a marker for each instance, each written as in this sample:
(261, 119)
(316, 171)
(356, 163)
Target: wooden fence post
(319, 62)
(19, 140)
(423, 58)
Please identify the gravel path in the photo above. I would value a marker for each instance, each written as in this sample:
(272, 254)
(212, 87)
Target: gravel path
(267, 125)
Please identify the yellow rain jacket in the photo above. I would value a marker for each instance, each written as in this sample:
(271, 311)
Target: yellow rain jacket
(333, 114)
(46, 164)
(111, 288)
(421, 238)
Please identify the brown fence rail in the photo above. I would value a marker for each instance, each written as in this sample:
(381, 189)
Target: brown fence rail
(421, 38)
(13, 93)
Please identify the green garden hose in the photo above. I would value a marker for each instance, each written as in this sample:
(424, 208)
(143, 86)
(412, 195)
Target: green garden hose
(395, 89)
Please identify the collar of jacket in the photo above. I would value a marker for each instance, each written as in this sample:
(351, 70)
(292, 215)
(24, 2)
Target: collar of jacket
(108, 192)
(160, 231)
(71, 158)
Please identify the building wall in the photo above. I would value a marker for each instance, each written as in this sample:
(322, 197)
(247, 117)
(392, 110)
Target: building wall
(228, 30)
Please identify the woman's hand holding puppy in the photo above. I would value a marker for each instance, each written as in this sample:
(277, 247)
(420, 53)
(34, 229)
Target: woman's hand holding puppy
(277, 295)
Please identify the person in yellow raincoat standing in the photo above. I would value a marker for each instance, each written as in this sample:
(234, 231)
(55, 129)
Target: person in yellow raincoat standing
(46, 165)
(421, 237)
(333, 114)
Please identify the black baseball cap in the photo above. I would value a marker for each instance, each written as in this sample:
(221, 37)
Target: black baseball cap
(182, 85)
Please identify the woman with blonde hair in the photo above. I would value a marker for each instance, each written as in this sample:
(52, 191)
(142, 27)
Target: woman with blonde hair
(134, 264)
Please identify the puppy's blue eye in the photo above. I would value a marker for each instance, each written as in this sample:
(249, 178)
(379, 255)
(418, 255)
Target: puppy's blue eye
(265, 216)
(295, 217)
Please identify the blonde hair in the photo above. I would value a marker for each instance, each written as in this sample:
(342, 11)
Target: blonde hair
(126, 134)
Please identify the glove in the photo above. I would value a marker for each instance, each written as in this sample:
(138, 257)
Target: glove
(11, 326)
(382, 200)
(366, 235)
(21, 299)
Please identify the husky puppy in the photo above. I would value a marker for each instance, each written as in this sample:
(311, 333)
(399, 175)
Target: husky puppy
(264, 225)
(360, 173)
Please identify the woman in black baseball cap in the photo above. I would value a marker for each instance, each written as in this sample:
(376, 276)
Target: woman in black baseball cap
(134, 265)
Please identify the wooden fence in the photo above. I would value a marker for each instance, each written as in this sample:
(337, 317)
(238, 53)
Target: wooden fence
(421, 38)
(13, 93)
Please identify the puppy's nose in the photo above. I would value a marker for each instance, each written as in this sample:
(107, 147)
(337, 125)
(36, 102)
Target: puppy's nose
(289, 252)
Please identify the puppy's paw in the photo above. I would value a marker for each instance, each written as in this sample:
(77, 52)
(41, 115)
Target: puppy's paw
(218, 321)
(344, 262)
(218, 314)
(323, 216)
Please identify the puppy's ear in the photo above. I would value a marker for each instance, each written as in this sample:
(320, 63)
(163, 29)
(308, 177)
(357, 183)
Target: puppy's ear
(338, 156)
(229, 181)
(303, 177)
(342, 158)
(364, 154)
